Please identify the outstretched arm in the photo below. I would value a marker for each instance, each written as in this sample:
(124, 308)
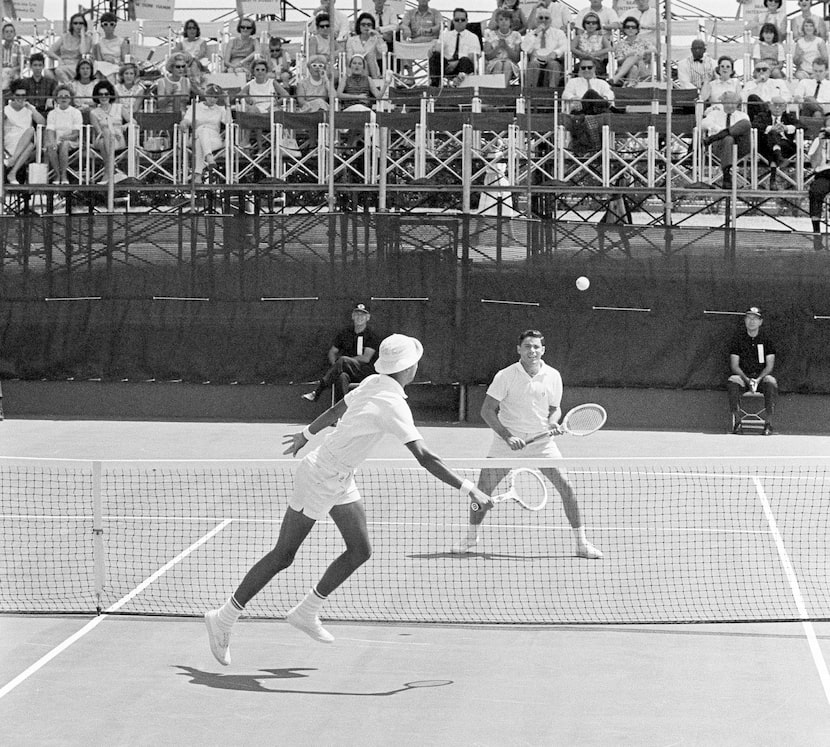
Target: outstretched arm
(433, 464)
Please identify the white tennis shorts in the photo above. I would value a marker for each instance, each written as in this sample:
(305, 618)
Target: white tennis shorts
(318, 488)
(545, 448)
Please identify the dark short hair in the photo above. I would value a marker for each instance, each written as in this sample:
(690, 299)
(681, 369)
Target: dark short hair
(37, 57)
(531, 333)
(192, 22)
(16, 84)
(100, 87)
(631, 19)
(320, 17)
(83, 61)
(108, 17)
(364, 17)
(769, 28)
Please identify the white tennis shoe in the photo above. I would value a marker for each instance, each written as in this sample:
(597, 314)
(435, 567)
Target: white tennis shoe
(468, 544)
(309, 624)
(220, 641)
(588, 551)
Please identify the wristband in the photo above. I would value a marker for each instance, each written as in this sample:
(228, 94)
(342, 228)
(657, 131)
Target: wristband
(466, 488)
(307, 434)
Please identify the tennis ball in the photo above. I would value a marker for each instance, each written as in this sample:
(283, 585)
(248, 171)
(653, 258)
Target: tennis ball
(583, 283)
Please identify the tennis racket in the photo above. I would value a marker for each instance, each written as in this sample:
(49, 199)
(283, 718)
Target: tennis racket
(526, 487)
(582, 420)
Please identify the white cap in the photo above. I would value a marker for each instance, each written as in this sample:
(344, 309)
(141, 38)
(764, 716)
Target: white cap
(397, 353)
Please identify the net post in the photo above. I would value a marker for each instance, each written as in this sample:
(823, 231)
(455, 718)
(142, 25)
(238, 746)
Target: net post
(100, 574)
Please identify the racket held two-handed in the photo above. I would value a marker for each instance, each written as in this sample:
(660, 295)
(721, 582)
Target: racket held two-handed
(525, 486)
(582, 420)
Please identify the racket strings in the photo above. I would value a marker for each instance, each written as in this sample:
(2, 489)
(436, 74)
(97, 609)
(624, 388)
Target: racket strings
(584, 420)
(529, 489)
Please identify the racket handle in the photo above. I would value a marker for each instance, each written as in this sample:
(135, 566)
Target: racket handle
(475, 506)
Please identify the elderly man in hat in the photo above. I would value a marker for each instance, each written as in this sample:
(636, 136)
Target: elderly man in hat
(324, 485)
(351, 355)
(751, 360)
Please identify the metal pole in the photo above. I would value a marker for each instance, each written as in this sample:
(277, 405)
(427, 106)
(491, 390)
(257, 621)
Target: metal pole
(332, 198)
(668, 49)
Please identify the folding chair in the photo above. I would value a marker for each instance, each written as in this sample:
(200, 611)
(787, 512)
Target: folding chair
(153, 147)
(252, 161)
(413, 56)
(751, 415)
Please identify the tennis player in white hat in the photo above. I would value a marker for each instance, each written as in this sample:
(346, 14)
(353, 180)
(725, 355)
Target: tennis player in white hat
(324, 485)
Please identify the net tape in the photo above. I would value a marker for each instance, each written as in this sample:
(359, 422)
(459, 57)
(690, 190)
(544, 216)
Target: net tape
(682, 542)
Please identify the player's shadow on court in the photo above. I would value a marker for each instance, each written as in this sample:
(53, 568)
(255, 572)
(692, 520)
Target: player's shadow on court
(254, 682)
(478, 554)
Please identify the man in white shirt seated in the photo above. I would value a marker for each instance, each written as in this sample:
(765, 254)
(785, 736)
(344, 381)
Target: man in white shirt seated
(607, 16)
(763, 89)
(725, 126)
(586, 93)
(697, 69)
(814, 93)
(545, 47)
(458, 48)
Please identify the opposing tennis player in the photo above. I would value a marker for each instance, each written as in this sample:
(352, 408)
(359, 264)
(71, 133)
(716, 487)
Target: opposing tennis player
(522, 400)
(324, 484)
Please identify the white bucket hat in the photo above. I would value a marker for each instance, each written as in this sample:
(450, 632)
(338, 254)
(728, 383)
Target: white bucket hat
(397, 353)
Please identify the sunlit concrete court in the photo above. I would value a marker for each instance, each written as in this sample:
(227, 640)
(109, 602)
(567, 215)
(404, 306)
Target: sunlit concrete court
(68, 679)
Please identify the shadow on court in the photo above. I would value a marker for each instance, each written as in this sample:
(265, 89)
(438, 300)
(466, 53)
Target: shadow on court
(254, 682)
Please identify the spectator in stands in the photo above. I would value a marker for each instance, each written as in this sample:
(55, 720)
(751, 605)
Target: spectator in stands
(725, 126)
(63, 131)
(808, 47)
(768, 49)
(128, 89)
(518, 22)
(357, 92)
(339, 22)
(351, 356)
(805, 15)
(11, 54)
(319, 43)
(70, 47)
(280, 62)
(586, 93)
(725, 80)
(243, 49)
(647, 16)
(210, 119)
(422, 23)
(546, 48)
(502, 47)
(776, 135)
(592, 44)
(20, 118)
(607, 16)
(633, 55)
(261, 93)
(194, 47)
(175, 90)
(313, 89)
(751, 360)
(109, 121)
(819, 157)
(82, 86)
(814, 94)
(110, 49)
(368, 42)
(777, 16)
(458, 49)
(386, 20)
(696, 70)
(560, 15)
(762, 89)
(40, 89)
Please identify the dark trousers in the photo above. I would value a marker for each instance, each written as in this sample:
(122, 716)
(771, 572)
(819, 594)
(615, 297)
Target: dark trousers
(818, 190)
(767, 143)
(464, 65)
(768, 387)
(345, 371)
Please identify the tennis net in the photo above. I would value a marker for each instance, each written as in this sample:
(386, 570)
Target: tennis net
(683, 541)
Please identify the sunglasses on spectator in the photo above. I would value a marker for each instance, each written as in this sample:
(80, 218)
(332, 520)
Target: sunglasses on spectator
(180, 67)
(592, 23)
(586, 67)
(459, 20)
(543, 18)
(246, 28)
(79, 23)
(323, 26)
(761, 69)
(630, 26)
(366, 23)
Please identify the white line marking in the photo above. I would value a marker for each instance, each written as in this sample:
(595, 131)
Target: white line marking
(809, 631)
(620, 308)
(92, 624)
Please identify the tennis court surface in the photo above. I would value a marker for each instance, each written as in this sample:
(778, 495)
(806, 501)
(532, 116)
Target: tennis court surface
(518, 642)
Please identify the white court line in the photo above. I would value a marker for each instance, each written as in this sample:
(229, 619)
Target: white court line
(809, 631)
(92, 624)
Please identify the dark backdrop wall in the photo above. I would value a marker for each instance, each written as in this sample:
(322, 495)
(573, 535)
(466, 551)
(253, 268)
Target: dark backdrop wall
(161, 298)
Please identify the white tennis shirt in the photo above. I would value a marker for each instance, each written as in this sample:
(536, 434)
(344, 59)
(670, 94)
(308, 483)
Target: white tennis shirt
(376, 408)
(524, 400)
